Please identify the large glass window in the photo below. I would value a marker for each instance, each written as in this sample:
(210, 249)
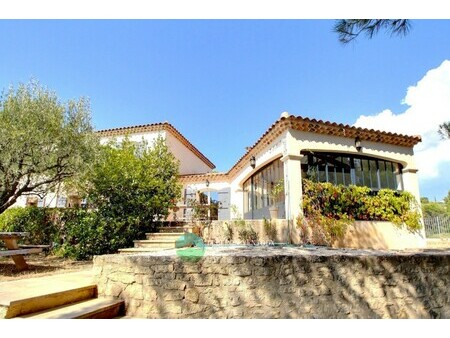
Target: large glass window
(352, 169)
(258, 187)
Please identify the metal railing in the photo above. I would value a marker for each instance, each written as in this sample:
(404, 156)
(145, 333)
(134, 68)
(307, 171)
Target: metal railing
(437, 226)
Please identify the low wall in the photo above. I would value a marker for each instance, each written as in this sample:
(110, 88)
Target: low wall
(275, 282)
(217, 231)
(359, 235)
(380, 235)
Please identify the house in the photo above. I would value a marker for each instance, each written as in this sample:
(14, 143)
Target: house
(292, 148)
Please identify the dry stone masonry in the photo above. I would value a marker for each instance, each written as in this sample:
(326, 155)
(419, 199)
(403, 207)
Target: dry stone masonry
(276, 282)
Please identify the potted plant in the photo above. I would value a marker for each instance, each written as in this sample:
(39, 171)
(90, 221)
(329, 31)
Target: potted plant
(275, 192)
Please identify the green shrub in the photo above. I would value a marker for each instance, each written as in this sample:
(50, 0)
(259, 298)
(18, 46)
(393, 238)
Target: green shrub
(40, 223)
(87, 233)
(328, 209)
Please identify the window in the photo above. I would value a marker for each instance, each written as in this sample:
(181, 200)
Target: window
(258, 187)
(348, 169)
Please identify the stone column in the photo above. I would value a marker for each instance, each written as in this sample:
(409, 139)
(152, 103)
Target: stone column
(292, 185)
(411, 184)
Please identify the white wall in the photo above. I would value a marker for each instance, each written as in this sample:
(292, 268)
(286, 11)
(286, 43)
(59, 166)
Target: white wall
(189, 162)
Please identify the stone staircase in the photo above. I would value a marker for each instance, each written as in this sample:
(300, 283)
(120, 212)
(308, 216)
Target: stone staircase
(163, 240)
(67, 296)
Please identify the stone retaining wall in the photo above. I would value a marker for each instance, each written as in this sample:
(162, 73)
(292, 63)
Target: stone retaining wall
(268, 282)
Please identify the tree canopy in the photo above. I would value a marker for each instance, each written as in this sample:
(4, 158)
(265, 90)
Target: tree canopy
(42, 141)
(433, 209)
(135, 181)
(349, 29)
(444, 130)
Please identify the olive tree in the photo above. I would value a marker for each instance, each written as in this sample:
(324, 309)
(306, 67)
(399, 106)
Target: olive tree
(42, 141)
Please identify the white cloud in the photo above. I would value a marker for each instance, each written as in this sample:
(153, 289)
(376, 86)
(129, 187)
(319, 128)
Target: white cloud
(429, 106)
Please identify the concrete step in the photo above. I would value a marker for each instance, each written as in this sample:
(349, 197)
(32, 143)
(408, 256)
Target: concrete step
(172, 229)
(160, 243)
(140, 250)
(31, 295)
(96, 308)
(164, 235)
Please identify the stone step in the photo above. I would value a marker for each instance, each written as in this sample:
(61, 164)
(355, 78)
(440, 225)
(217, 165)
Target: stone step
(165, 235)
(172, 229)
(140, 250)
(160, 243)
(31, 295)
(96, 308)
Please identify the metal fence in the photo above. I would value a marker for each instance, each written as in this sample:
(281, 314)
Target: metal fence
(437, 226)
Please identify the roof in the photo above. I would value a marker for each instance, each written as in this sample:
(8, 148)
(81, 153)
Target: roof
(211, 177)
(157, 127)
(321, 127)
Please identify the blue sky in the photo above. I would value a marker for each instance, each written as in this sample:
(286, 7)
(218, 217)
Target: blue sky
(222, 83)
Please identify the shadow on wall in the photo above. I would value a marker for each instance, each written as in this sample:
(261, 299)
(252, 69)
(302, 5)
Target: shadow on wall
(279, 286)
(380, 236)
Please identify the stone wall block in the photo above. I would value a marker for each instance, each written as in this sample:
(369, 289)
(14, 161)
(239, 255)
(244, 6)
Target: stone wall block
(113, 289)
(263, 271)
(162, 268)
(191, 295)
(192, 309)
(187, 267)
(150, 294)
(173, 284)
(168, 295)
(239, 270)
(133, 291)
(201, 280)
(122, 277)
(233, 260)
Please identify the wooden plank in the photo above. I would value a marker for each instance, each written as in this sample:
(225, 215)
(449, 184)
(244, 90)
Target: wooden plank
(19, 252)
(7, 235)
(27, 246)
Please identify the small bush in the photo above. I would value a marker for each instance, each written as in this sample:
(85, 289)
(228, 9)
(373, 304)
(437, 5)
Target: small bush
(228, 232)
(247, 234)
(270, 230)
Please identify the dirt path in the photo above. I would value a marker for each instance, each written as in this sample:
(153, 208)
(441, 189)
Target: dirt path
(40, 265)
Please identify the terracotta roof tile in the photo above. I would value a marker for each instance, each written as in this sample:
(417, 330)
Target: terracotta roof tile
(157, 127)
(322, 127)
(211, 177)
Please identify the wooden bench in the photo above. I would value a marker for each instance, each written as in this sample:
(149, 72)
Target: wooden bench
(14, 251)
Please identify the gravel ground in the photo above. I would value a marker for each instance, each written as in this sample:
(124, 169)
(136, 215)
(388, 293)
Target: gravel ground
(40, 265)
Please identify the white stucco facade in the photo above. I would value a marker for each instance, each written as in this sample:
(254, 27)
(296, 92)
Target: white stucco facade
(289, 138)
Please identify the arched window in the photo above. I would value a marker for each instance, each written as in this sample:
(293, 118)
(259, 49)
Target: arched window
(349, 169)
(258, 187)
